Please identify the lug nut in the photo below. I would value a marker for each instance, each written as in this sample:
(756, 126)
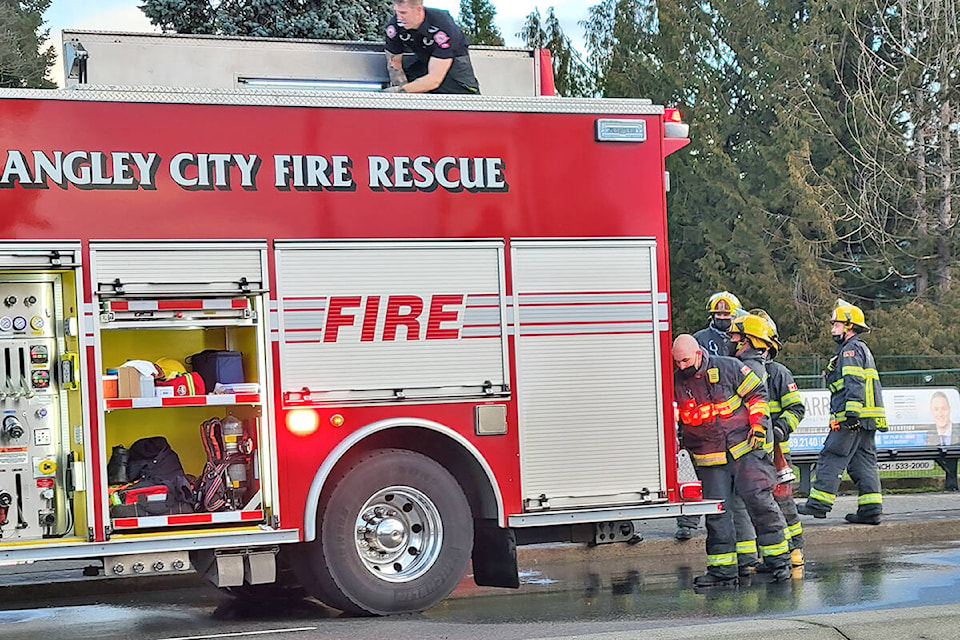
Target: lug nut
(158, 565)
(177, 564)
(138, 567)
(118, 569)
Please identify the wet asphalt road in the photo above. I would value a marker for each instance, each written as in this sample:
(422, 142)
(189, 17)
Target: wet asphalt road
(624, 595)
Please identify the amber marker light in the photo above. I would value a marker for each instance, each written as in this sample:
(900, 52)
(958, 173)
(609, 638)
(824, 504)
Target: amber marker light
(336, 420)
(303, 422)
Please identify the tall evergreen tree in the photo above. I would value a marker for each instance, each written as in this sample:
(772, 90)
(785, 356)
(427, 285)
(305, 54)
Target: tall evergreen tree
(341, 20)
(571, 75)
(476, 20)
(22, 63)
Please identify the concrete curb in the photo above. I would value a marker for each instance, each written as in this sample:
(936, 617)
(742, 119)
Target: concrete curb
(945, 526)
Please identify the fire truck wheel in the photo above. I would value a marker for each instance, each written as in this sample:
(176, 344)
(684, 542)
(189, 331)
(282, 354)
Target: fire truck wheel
(395, 535)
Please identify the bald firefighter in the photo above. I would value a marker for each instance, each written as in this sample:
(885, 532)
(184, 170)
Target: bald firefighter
(721, 408)
(856, 414)
(714, 338)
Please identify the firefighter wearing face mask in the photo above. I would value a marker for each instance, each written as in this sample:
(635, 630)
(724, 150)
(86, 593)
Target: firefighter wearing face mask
(786, 412)
(715, 338)
(723, 413)
(856, 414)
(748, 335)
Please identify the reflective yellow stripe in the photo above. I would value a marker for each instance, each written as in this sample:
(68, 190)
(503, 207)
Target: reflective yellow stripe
(852, 371)
(710, 459)
(791, 397)
(775, 549)
(749, 546)
(774, 406)
(728, 406)
(794, 530)
(741, 449)
(791, 419)
(870, 498)
(721, 560)
(854, 407)
(750, 382)
(836, 386)
(873, 412)
(768, 446)
(822, 496)
(758, 407)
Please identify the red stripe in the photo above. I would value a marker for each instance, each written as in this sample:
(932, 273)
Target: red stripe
(251, 515)
(125, 523)
(179, 304)
(582, 322)
(524, 305)
(119, 403)
(119, 305)
(580, 293)
(180, 401)
(599, 333)
(190, 518)
(248, 397)
(239, 303)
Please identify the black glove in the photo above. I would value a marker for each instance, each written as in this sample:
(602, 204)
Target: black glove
(780, 433)
(853, 424)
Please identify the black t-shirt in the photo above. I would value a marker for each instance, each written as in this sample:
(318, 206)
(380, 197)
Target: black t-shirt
(438, 36)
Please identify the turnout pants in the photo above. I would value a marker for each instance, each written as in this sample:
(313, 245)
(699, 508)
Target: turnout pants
(855, 451)
(751, 477)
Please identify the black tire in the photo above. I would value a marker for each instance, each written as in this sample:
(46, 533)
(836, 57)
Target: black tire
(404, 558)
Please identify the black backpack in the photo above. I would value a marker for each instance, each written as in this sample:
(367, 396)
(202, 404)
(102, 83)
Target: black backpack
(151, 461)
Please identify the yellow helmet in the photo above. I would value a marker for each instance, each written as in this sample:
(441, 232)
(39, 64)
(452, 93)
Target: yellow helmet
(775, 344)
(723, 302)
(755, 328)
(171, 368)
(849, 314)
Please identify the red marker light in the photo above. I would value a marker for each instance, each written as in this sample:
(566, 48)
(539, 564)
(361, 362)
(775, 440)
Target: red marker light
(672, 115)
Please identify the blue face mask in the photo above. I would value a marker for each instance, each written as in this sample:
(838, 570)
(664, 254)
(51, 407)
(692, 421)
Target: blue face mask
(721, 324)
(839, 339)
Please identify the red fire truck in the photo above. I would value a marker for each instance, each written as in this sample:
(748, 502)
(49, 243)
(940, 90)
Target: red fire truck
(451, 315)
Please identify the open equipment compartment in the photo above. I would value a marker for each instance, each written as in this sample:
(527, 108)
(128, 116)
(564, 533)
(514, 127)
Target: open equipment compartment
(207, 296)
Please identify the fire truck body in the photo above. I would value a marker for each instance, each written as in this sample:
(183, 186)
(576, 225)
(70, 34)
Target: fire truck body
(452, 315)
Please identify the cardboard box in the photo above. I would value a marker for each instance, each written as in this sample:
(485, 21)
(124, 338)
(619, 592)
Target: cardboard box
(133, 384)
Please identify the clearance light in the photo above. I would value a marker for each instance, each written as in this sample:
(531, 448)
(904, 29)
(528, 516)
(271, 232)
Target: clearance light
(336, 420)
(303, 422)
(691, 492)
(672, 115)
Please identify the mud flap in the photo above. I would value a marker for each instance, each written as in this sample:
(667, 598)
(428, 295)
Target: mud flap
(494, 555)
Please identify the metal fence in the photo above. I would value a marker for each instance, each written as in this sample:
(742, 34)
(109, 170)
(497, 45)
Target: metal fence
(895, 371)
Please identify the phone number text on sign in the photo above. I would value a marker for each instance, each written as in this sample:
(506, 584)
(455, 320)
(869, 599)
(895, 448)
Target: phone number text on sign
(906, 465)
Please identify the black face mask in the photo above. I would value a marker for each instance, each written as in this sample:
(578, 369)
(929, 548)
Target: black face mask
(721, 324)
(688, 372)
(840, 339)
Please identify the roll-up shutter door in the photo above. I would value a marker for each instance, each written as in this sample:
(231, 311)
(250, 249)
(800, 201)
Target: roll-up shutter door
(39, 255)
(588, 381)
(391, 320)
(154, 269)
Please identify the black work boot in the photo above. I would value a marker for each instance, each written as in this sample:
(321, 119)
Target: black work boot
(780, 574)
(684, 533)
(807, 509)
(708, 580)
(744, 570)
(863, 518)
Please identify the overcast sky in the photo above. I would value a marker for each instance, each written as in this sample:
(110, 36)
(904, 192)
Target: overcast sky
(125, 15)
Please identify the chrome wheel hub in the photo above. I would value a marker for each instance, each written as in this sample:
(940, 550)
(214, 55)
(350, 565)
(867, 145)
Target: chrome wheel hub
(399, 534)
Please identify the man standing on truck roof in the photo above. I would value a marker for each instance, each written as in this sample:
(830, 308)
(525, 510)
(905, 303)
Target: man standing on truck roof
(856, 414)
(441, 58)
(722, 408)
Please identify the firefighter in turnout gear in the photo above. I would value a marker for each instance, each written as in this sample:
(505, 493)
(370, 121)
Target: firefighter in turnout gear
(856, 414)
(786, 411)
(721, 306)
(715, 340)
(721, 408)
